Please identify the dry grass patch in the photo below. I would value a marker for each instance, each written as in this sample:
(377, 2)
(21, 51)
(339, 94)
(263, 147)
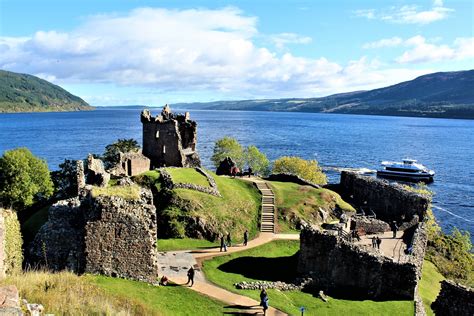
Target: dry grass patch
(127, 192)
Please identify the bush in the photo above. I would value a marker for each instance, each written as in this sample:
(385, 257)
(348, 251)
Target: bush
(257, 160)
(228, 147)
(24, 179)
(13, 243)
(306, 169)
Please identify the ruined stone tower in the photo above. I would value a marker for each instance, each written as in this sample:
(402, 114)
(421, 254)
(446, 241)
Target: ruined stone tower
(170, 139)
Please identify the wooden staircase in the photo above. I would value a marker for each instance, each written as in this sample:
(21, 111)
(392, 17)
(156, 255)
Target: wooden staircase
(268, 217)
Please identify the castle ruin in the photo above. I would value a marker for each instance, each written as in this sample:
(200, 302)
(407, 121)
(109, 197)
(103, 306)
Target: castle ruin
(170, 139)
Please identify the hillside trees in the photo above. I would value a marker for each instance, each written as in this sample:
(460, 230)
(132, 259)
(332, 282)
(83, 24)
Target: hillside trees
(24, 179)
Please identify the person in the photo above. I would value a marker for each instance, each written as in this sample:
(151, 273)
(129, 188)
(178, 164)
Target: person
(246, 237)
(223, 246)
(250, 171)
(379, 241)
(374, 242)
(191, 276)
(164, 280)
(264, 301)
(229, 240)
(394, 229)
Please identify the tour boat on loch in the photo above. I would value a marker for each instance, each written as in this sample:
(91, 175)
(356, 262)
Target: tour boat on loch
(408, 170)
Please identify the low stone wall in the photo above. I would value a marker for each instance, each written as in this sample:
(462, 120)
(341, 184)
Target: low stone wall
(287, 177)
(390, 202)
(170, 185)
(454, 299)
(106, 235)
(341, 267)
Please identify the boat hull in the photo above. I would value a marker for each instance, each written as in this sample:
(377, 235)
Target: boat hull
(405, 176)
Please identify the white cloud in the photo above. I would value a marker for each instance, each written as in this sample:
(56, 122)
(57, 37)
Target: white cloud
(187, 52)
(283, 39)
(385, 42)
(421, 51)
(408, 14)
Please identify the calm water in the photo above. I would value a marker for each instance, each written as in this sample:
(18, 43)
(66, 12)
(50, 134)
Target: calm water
(336, 140)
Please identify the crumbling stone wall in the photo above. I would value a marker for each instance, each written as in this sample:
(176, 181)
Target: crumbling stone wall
(454, 299)
(170, 139)
(388, 201)
(106, 235)
(341, 267)
(366, 225)
(131, 164)
(96, 174)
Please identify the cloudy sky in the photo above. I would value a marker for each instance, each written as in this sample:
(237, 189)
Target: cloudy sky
(154, 52)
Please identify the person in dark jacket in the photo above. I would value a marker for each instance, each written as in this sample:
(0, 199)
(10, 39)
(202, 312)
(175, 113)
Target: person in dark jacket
(191, 276)
(223, 245)
(379, 241)
(246, 237)
(229, 240)
(264, 301)
(394, 229)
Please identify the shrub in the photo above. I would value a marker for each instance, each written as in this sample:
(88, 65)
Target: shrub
(306, 169)
(228, 147)
(13, 243)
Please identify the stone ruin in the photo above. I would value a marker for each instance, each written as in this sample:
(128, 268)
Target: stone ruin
(169, 140)
(131, 164)
(339, 266)
(454, 300)
(105, 235)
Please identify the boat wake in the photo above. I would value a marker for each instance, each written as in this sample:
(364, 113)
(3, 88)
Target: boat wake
(451, 213)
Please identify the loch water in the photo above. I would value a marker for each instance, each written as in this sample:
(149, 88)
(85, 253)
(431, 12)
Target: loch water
(335, 140)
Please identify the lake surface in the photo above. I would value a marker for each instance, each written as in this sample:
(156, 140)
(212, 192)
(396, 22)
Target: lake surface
(335, 140)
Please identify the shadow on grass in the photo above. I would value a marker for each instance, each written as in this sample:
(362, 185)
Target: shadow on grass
(262, 268)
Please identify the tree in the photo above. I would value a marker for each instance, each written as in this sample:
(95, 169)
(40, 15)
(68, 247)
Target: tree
(306, 169)
(112, 151)
(228, 147)
(257, 160)
(24, 178)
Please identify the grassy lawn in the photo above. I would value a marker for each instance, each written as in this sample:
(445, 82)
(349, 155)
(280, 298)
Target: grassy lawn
(187, 175)
(277, 261)
(238, 208)
(429, 285)
(184, 244)
(31, 226)
(292, 199)
(128, 192)
(148, 179)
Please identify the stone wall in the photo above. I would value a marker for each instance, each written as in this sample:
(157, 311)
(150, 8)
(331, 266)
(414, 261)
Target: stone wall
(106, 235)
(169, 139)
(366, 225)
(169, 184)
(388, 201)
(454, 299)
(340, 267)
(131, 164)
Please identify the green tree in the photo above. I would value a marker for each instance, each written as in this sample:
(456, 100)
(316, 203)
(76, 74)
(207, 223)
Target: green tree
(257, 160)
(24, 178)
(112, 151)
(228, 147)
(306, 169)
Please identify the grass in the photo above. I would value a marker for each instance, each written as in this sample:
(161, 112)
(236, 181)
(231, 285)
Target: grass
(429, 285)
(277, 261)
(188, 175)
(183, 244)
(148, 179)
(298, 201)
(65, 293)
(127, 192)
(237, 210)
(32, 225)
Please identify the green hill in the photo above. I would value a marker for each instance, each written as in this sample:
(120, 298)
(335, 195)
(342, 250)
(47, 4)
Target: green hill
(27, 93)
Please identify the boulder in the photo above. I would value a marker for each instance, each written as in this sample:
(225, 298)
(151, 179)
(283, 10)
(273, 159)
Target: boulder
(225, 166)
(96, 174)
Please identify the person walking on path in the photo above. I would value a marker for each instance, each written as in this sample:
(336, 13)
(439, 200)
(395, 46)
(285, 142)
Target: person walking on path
(229, 240)
(264, 301)
(374, 242)
(394, 229)
(223, 245)
(246, 237)
(379, 241)
(190, 276)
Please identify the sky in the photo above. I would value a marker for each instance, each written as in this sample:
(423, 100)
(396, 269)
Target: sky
(132, 52)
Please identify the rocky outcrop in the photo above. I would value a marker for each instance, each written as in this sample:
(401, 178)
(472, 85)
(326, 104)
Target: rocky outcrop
(96, 174)
(366, 225)
(107, 235)
(10, 301)
(225, 167)
(454, 299)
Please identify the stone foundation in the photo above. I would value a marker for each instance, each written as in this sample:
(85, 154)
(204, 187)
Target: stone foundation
(454, 299)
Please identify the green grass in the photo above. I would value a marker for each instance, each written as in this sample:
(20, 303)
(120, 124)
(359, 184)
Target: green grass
(148, 179)
(294, 200)
(237, 210)
(184, 244)
(32, 225)
(429, 285)
(127, 192)
(188, 175)
(277, 261)
(162, 300)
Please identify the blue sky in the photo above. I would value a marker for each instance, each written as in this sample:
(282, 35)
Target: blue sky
(156, 52)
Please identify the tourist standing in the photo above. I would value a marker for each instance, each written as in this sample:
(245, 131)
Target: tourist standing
(379, 241)
(246, 237)
(229, 240)
(250, 171)
(374, 242)
(190, 276)
(264, 301)
(394, 229)
(223, 245)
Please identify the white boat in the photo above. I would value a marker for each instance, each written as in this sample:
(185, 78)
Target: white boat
(408, 170)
